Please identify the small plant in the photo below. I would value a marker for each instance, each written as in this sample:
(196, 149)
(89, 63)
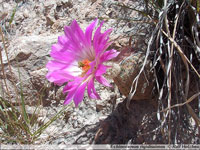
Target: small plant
(16, 124)
(78, 60)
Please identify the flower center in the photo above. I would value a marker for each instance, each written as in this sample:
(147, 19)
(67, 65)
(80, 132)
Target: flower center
(84, 65)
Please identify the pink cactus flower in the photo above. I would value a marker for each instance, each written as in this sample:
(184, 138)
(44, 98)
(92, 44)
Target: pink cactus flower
(78, 59)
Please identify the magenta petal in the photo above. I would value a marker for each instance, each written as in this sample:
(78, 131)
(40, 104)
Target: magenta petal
(71, 85)
(69, 97)
(103, 81)
(76, 37)
(72, 38)
(56, 47)
(91, 90)
(104, 36)
(101, 70)
(78, 97)
(71, 49)
(100, 39)
(108, 55)
(89, 30)
(62, 40)
(64, 56)
(57, 78)
(97, 34)
(55, 65)
(78, 32)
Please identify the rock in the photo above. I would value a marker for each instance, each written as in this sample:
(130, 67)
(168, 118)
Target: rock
(13, 80)
(67, 3)
(7, 6)
(130, 68)
(28, 54)
(38, 111)
(3, 15)
(21, 48)
(23, 55)
(26, 13)
(123, 124)
(99, 107)
(50, 21)
(113, 71)
(59, 24)
(38, 79)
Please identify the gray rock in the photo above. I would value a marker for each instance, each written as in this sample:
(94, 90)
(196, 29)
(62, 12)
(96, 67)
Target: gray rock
(21, 48)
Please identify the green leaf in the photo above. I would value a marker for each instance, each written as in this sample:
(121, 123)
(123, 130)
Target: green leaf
(13, 14)
(25, 115)
(42, 128)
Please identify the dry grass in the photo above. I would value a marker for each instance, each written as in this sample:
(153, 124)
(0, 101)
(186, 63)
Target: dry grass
(16, 124)
(174, 48)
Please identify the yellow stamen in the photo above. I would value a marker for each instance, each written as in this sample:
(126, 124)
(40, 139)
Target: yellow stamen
(84, 65)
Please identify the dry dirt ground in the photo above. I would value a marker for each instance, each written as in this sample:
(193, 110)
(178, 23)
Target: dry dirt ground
(34, 28)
